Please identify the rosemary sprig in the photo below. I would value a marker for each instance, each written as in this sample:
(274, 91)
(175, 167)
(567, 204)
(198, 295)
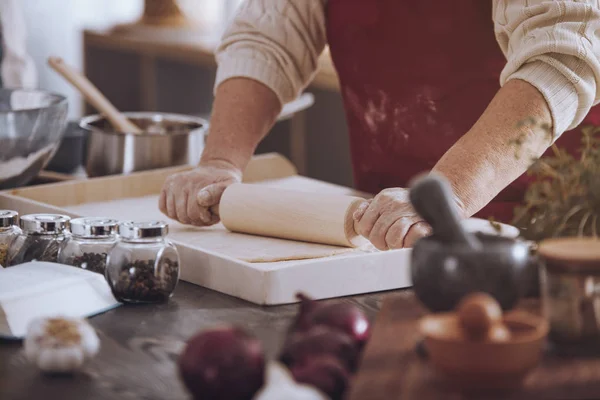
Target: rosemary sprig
(564, 198)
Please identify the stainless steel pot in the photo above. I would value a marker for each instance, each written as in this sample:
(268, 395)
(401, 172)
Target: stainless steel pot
(168, 140)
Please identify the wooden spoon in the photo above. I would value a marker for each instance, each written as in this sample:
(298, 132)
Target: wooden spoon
(94, 96)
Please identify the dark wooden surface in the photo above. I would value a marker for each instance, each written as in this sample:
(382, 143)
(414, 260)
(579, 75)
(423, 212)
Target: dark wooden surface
(140, 345)
(392, 370)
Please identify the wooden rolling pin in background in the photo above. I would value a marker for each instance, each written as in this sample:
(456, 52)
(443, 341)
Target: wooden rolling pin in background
(288, 214)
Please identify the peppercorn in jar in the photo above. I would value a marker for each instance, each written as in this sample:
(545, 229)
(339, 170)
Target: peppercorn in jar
(143, 267)
(40, 238)
(89, 244)
(8, 233)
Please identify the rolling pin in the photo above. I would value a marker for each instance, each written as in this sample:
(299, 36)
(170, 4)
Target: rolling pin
(288, 214)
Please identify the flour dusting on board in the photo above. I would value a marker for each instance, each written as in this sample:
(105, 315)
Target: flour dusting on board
(217, 239)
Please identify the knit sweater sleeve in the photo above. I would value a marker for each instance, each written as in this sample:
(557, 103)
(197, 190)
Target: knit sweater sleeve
(275, 42)
(553, 45)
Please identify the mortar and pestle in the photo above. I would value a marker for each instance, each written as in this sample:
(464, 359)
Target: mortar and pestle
(453, 262)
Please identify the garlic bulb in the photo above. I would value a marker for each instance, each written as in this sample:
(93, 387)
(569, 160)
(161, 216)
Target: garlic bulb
(60, 345)
(281, 385)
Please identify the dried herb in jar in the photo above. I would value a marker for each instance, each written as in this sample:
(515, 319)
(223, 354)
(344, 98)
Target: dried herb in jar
(36, 248)
(564, 199)
(137, 281)
(40, 240)
(3, 254)
(95, 262)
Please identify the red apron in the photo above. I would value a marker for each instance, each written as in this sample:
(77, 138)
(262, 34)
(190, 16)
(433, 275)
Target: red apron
(415, 76)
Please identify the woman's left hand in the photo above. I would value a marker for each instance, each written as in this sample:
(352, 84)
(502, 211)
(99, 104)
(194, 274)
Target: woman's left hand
(389, 220)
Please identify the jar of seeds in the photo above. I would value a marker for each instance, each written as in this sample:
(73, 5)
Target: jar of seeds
(40, 238)
(90, 241)
(143, 267)
(8, 232)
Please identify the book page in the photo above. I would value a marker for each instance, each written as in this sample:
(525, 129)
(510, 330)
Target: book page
(39, 289)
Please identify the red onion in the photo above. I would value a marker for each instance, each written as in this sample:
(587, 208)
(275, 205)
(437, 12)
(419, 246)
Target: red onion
(318, 341)
(307, 306)
(325, 373)
(223, 363)
(341, 316)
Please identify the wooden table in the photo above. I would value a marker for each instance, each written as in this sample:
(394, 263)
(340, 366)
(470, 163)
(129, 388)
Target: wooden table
(391, 369)
(140, 345)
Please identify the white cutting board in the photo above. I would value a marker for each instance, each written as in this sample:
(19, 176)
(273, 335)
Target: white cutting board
(210, 257)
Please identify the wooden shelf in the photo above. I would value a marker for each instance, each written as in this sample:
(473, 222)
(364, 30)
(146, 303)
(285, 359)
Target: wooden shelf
(183, 45)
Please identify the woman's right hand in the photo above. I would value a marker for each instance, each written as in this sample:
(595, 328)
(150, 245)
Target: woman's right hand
(193, 197)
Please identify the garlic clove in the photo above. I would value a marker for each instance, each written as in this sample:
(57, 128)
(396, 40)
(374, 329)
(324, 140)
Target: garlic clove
(60, 360)
(60, 345)
(89, 340)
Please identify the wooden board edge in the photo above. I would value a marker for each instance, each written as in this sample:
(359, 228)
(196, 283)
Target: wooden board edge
(384, 271)
(104, 188)
(268, 166)
(27, 206)
(261, 167)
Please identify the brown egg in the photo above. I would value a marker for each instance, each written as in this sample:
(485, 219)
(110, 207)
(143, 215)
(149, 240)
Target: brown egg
(480, 316)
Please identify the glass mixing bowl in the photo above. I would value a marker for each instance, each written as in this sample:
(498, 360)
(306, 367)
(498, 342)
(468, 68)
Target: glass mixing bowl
(32, 125)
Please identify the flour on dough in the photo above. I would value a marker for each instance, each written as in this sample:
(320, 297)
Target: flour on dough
(249, 248)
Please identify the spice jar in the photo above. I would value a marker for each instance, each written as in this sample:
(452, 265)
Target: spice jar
(90, 241)
(8, 232)
(570, 287)
(40, 238)
(143, 267)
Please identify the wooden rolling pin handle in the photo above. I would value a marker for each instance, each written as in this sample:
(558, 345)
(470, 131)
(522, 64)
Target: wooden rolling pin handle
(350, 215)
(94, 96)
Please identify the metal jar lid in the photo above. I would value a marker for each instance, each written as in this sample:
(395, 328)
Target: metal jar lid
(143, 230)
(8, 218)
(94, 227)
(44, 223)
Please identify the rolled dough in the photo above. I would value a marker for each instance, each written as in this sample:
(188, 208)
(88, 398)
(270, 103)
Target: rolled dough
(249, 248)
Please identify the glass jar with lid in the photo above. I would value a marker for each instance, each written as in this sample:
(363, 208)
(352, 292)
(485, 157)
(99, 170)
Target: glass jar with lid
(143, 267)
(8, 233)
(40, 238)
(89, 243)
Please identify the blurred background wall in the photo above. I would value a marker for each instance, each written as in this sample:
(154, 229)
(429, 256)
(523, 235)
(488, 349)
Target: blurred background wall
(55, 28)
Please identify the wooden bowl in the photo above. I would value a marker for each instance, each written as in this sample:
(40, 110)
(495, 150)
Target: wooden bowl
(493, 362)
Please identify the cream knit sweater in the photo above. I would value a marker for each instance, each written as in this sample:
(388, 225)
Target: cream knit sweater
(553, 45)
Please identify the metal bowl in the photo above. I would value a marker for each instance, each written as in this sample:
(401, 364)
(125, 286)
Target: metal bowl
(168, 140)
(32, 125)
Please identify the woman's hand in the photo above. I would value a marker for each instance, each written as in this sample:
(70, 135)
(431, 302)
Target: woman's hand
(389, 220)
(191, 197)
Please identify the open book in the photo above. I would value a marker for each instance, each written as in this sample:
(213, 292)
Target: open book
(41, 289)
